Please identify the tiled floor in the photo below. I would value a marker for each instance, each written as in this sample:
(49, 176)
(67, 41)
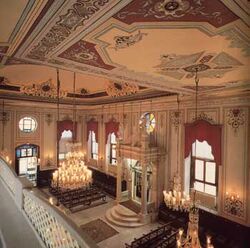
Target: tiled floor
(15, 229)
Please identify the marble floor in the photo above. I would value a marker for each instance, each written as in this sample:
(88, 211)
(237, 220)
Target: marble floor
(125, 235)
(14, 228)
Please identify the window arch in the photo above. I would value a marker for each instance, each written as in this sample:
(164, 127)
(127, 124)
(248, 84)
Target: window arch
(203, 168)
(112, 149)
(93, 145)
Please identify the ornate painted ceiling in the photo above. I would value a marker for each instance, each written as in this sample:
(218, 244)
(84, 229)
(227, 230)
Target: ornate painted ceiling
(157, 45)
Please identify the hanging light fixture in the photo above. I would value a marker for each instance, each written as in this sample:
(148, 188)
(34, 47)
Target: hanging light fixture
(176, 199)
(191, 239)
(72, 172)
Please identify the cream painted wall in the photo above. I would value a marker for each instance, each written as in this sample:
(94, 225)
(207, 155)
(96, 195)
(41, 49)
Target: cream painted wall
(234, 172)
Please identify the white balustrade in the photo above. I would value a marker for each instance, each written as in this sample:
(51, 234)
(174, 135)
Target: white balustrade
(13, 183)
(8, 176)
(55, 229)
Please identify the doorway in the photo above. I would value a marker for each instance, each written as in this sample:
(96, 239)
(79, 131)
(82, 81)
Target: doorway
(27, 161)
(137, 183)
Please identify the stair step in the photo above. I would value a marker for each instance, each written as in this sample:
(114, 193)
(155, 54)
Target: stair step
(125, 212)
(116, 216)
(112, 221)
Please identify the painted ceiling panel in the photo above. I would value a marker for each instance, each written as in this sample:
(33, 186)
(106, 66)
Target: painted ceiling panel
(9, 18)
(156, 44)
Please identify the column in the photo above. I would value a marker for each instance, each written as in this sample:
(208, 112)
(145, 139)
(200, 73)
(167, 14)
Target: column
(144, 204)
(119, 180)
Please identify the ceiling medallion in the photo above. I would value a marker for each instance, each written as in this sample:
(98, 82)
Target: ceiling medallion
(171, 6)
(116, 89)
(175, 8)
(197, 67)
(45, 89)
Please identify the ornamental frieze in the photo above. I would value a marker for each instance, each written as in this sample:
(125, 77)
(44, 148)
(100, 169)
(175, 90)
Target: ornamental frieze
(45, 89)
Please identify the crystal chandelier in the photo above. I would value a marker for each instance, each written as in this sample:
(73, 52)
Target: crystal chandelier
(191, 240)
(176, 199)
(72, 173)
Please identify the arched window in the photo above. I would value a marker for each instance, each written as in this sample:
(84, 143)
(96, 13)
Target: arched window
(112, 149)
(93, 145)
(149, 120)
(66, 137)
(203, 168)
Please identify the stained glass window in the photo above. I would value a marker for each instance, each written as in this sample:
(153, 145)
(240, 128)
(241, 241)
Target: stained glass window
(149, 120)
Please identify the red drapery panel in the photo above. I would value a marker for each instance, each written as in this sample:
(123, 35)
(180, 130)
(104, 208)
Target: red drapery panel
(92, 125)
(202, 130)
(66, 125)
(111, 127)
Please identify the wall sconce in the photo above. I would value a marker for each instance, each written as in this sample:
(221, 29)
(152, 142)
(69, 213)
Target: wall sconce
(49, 161)
(234, 205)
(49, 119)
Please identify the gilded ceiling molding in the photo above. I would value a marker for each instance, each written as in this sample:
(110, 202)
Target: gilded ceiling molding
(117, 89)
(45, 89)
(235, 118)
(67, 23)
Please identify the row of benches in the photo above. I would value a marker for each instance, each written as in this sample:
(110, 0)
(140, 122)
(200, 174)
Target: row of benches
(78, 197)
(164, 236)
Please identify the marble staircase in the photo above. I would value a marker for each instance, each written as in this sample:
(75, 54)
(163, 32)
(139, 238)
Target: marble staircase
(123, 217)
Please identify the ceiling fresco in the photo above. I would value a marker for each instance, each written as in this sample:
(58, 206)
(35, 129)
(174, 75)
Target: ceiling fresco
(154, 44)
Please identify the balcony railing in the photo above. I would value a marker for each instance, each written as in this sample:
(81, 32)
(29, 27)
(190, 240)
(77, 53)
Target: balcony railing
(53, 227)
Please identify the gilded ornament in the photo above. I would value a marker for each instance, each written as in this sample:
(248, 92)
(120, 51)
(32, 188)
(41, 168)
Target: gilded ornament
(45, 89)
(117, 89)
(236, 118)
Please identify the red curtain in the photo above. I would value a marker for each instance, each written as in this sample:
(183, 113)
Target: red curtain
(92, 125)
(68, 126)
(111, 127)
(202, 130)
